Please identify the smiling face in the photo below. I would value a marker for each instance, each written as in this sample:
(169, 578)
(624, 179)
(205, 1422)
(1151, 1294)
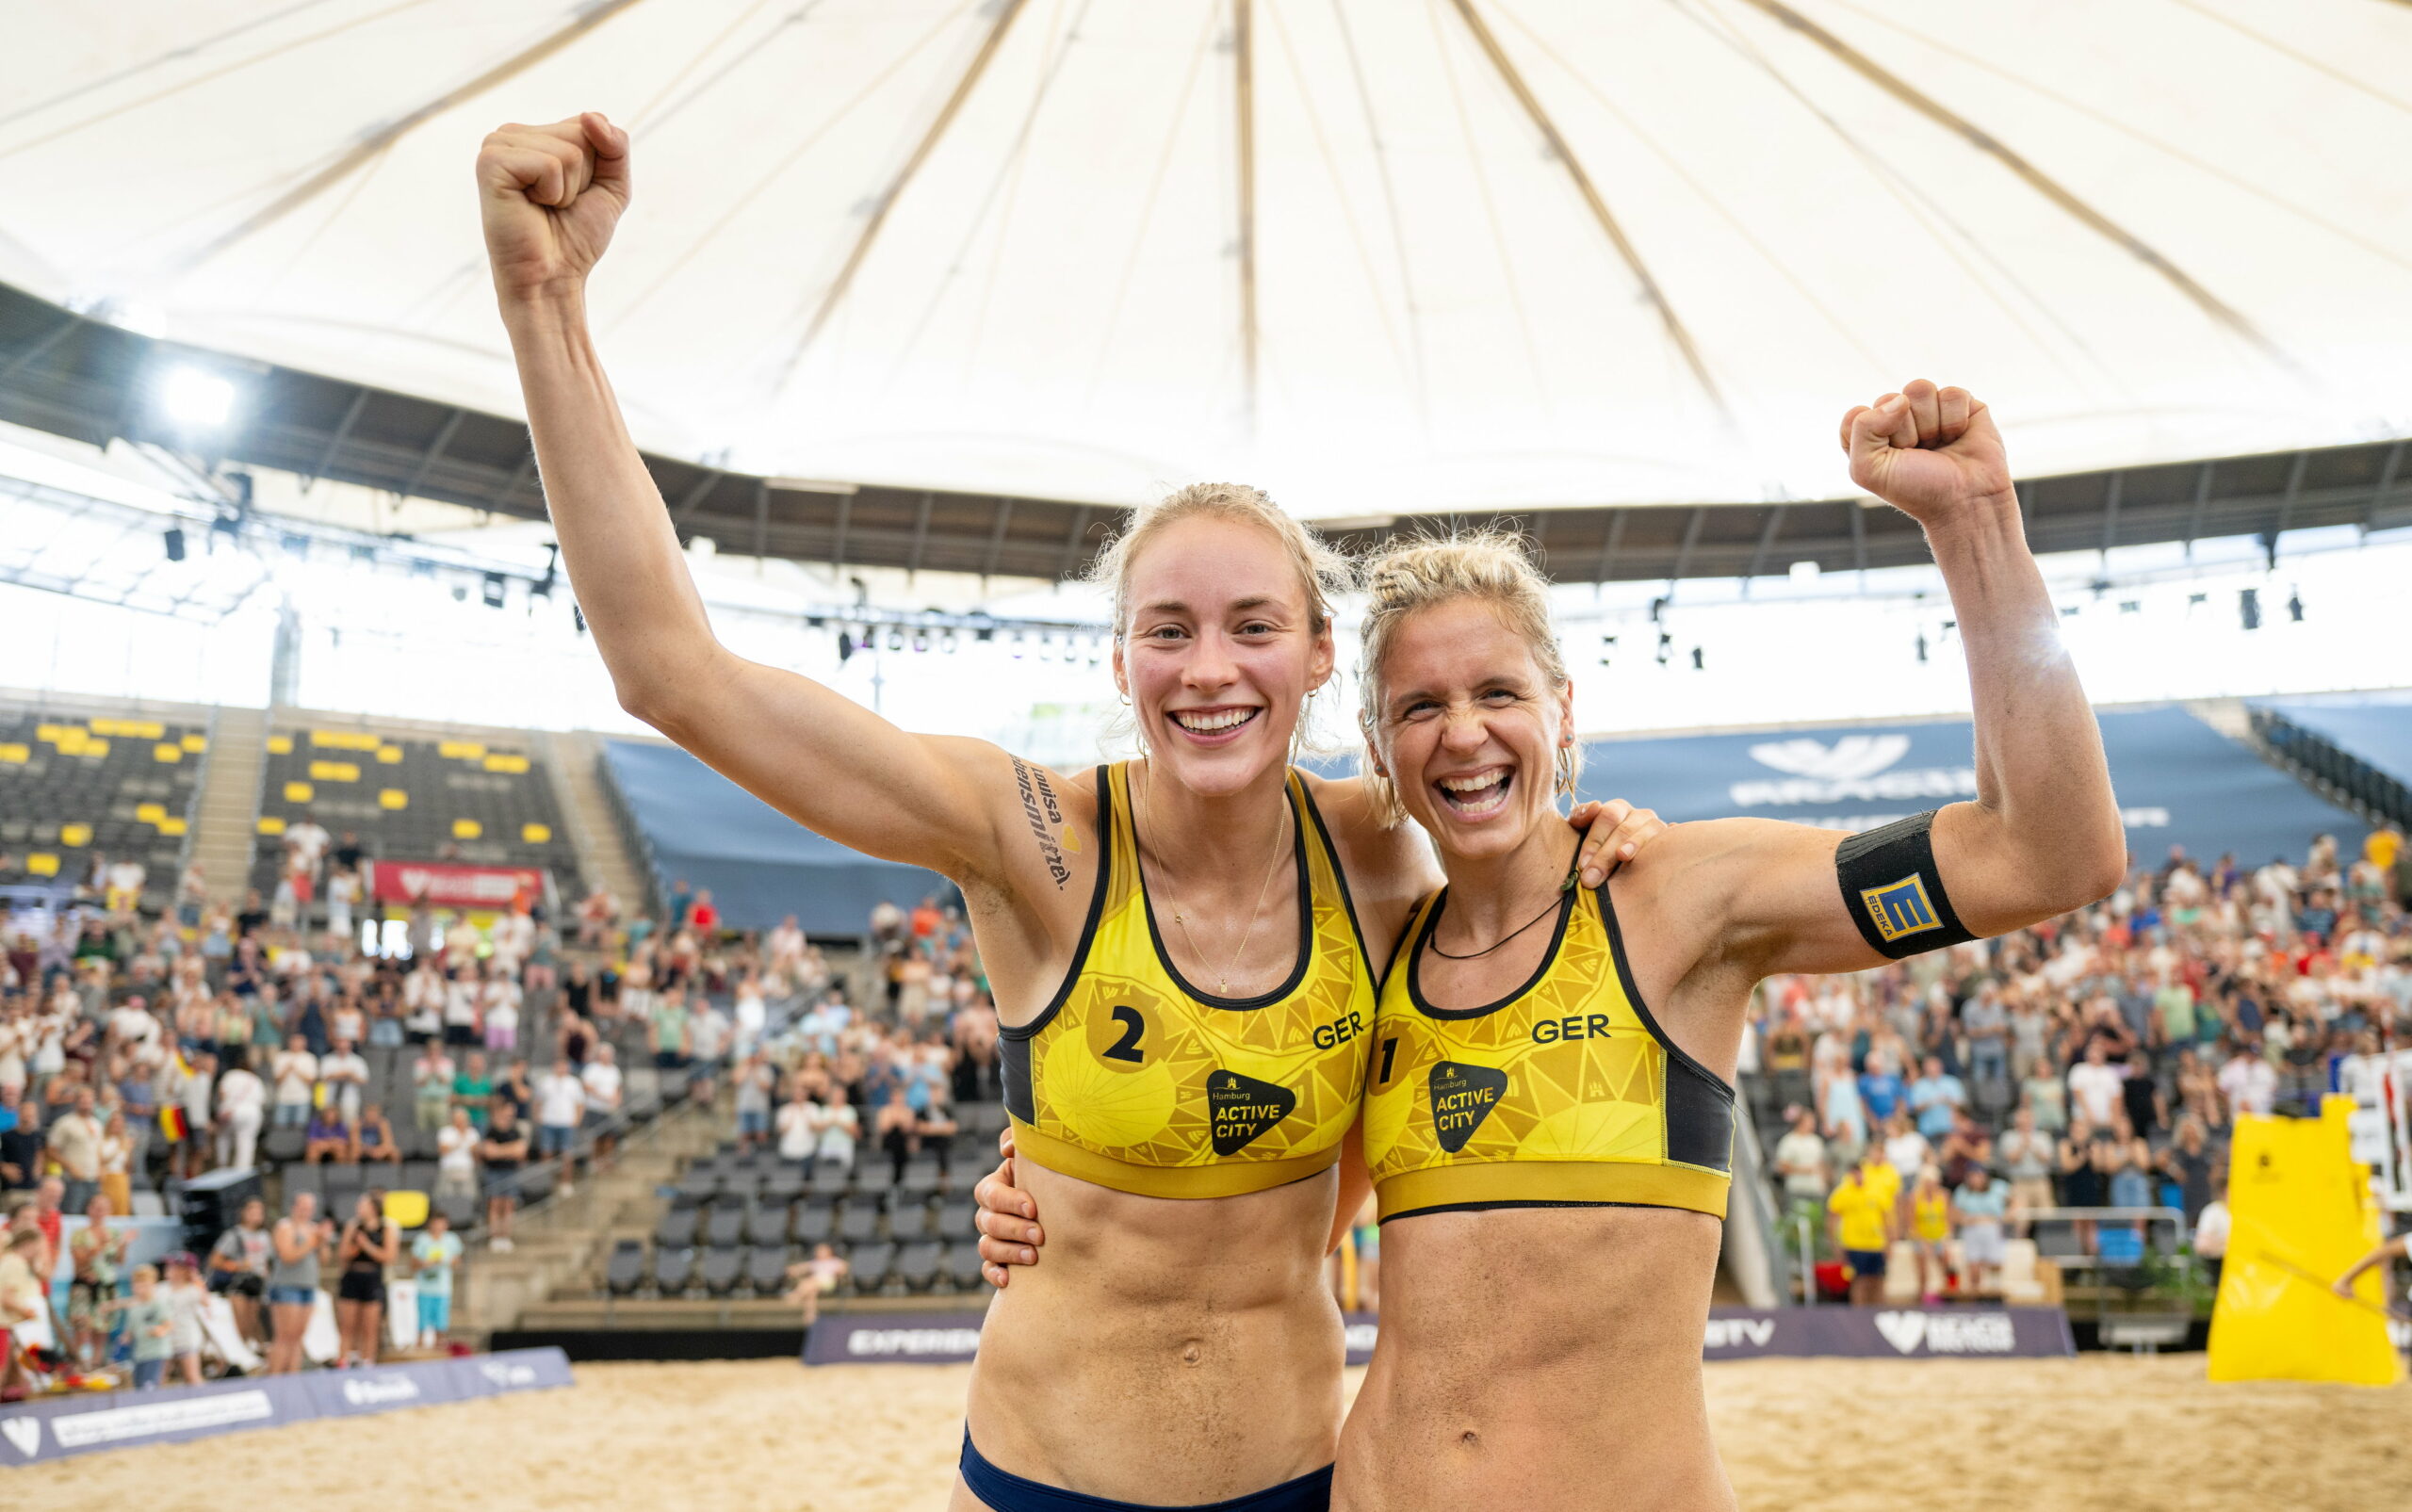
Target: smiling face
(1218, 652)
(1470, 729)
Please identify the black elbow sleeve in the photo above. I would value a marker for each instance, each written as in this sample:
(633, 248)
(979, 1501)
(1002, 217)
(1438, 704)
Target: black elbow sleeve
(1893, 891)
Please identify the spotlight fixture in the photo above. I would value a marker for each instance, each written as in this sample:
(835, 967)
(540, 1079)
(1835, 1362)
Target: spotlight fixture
(845, 647)
(193, 398)
(2294, 604)
(2248, 608)
(175, 543)
(1699, 663)
(1922, 645)
(895, 638)
(494, 589)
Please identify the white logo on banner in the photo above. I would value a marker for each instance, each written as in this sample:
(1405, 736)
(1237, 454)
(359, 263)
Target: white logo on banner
(913, 1342)
(1739, 1333)
(508, 1376)
(1903, 1330)
(1949, 1333)
(370, 1393)
(1848, 759)
(1361, 1336)
(81, 1430)
(25, 1433)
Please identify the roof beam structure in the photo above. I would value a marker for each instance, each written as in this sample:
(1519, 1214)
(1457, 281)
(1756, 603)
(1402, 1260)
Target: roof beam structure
(87, 384)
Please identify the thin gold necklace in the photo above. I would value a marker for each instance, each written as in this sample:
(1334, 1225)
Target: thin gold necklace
(1180, 916)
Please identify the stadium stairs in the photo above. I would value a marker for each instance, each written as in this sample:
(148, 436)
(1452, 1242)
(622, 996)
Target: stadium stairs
(230, 801)
(593, 818)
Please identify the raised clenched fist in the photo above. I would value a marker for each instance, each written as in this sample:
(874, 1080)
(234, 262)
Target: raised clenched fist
(549, 196)
(1927, 452)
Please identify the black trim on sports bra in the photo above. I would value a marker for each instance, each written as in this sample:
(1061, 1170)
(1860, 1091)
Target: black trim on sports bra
(1486, 1206)
(1013, 1041)
(1340, 873)
(1306, 917)
(1432, 922)
(1700, 1104)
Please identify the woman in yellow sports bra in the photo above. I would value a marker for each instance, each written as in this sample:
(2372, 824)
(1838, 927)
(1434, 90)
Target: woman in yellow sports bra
(1547, 1119)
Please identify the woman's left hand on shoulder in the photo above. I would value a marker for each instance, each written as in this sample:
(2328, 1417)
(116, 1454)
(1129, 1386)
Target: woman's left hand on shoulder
(1617, 831)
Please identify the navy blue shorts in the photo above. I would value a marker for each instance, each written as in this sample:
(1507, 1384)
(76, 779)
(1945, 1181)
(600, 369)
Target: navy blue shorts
(1007, 1492)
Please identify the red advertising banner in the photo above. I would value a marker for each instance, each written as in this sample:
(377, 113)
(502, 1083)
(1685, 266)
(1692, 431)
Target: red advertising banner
(453, 886)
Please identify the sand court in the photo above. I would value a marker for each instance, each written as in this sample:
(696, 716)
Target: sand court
(2105, 1432)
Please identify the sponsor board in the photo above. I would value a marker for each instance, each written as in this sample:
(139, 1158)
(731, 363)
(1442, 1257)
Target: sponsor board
(452, 885)
(1732, 1333)
(37, 1432)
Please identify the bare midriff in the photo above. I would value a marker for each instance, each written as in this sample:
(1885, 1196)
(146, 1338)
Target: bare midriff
(1542, 1358)
(1168, 1352)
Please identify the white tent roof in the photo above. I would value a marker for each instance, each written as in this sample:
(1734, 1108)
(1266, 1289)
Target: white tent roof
(1503, 253)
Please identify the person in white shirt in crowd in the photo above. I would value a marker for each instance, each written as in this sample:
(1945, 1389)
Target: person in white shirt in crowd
(2249, 1082)
(751, 1018)
(604, 1088)
(122, 881)
(461, 1002)
(343, 893)
(456, 1157)
(345, 1075)
(1800, 1162)
(799, 1125)
(242, 1100)
(293, 1071)
(2095, 1086)
(2211, 1231)
(432, 1073)
(74, 1144)
(755, 1080)
(423, 994)
(500, 999)
(707, 1031)
(561, 1105)
(839, 1131)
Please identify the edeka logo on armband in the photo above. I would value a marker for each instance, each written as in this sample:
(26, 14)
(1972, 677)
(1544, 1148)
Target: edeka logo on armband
(1900, 908)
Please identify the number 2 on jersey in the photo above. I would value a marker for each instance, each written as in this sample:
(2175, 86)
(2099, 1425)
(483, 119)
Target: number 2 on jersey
(1127, 1047)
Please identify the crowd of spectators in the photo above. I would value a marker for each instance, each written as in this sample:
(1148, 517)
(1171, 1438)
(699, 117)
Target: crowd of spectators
(2097, 1061)
(138, 1050)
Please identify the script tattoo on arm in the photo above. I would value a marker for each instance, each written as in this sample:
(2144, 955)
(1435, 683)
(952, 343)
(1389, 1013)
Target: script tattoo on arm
(1039, 806)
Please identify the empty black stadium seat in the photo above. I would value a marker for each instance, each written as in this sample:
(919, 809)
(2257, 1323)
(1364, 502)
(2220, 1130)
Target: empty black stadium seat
(813, 1222)
(766, 1268)
(859, 1224)
(726, 1227)
(280, 1146)
(916, 1263)
(2058, 1239)
(910, 1218)
(829, 1177)
(723, 1268)
(534, 1183)
(922, 1175)
(418, 1175)
(700, 1184)
(677, 1228)
(782, 1185)
(626, 1271)
(960, 1269)
(956, 1215)
(870, 1264)
(673, 1270)
(300, 1179)
(766, 1223)
(874, 1175)
(463, 1211)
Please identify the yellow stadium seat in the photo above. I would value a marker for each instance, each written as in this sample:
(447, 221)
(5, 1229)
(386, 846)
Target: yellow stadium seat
(196, 742)
(406, 1208)
(97, 750)
(506, 763)
(466, 829)
(390, 754)
(71, 739)
(42, 864)
(104, 726)
(171, 826)
(142, 729)
(393, 798)
(462, 750)
(270, 824)
(168, 753)
(536, 834)
(334, 771)
(74, 833)
(297, 792)
(345, 739)
(279, 745)
(15, 755)
(150, 813)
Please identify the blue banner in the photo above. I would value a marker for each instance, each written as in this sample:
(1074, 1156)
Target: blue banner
(38, 1432)
(2377, 727)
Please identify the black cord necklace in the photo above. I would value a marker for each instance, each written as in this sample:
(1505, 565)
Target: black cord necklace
(1563, 889)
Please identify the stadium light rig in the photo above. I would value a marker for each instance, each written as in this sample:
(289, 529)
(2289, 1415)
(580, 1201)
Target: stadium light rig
(194, 400)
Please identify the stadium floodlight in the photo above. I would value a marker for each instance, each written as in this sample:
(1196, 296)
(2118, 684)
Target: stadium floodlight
(1803, 572)
(494, 589)
(193, 398)
(175, 543)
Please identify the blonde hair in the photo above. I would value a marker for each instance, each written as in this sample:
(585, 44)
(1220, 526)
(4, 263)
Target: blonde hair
(1409, 575)
(1323, 572)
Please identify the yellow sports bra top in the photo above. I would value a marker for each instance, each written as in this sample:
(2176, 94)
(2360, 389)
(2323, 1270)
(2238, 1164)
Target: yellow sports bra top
(1931, 1215)
(1563, 1093)
(1135, 1080)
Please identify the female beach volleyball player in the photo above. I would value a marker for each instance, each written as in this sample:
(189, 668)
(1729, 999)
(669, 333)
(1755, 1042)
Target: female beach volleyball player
(1548, 1115)
(1174, 943)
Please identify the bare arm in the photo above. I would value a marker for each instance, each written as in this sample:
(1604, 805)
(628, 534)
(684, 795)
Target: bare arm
(550, 198)
(2376, 1257)
(2042, 835)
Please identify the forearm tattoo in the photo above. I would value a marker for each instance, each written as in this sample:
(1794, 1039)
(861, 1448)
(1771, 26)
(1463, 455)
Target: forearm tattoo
(1039, 805)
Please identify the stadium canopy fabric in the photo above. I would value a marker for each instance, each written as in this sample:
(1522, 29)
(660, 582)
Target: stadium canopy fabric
(759, 865)
(1380, 255)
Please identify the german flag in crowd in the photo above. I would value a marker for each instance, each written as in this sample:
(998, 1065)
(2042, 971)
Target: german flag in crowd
(173, 1126)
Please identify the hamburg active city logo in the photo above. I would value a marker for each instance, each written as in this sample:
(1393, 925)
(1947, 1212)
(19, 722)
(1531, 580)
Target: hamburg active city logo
(1900, 908)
